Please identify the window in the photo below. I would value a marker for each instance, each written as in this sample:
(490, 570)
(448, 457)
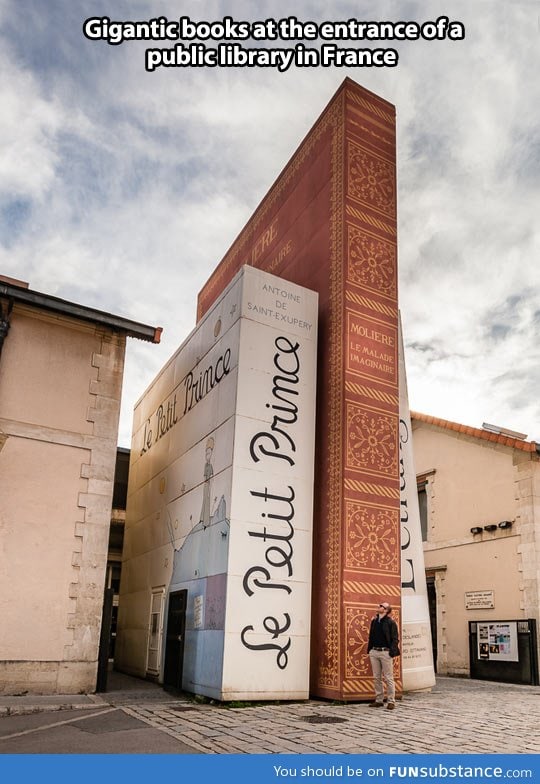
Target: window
(154, 631)
(425, 487)
(423, 508)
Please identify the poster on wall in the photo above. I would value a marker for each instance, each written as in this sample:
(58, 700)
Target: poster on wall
(498, 641)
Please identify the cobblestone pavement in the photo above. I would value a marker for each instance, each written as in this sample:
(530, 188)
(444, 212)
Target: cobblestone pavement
(458, 716)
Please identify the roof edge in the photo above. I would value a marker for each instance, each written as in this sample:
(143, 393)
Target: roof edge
(476, 432)
(37, 299)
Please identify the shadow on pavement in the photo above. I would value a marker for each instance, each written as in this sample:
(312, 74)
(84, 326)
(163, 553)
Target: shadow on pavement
(123, 689)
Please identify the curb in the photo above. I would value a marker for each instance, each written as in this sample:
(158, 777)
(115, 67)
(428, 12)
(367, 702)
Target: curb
(27, 710)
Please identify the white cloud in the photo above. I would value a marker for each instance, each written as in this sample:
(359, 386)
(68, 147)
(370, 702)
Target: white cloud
(123, 189)
(28, 124)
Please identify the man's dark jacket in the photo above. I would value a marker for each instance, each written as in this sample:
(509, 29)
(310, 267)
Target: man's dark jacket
(390, 632)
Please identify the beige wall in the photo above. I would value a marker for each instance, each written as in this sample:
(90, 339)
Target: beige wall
(475, 483)
(60, 387)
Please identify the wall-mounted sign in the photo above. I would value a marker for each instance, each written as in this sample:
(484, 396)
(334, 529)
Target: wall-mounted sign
(479, 600)
(498, 641)
(198, 612)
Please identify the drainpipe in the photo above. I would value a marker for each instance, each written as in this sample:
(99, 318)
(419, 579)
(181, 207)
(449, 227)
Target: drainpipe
(5, 312)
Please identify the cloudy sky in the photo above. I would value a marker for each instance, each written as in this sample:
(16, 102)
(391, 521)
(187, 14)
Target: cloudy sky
(122, 189)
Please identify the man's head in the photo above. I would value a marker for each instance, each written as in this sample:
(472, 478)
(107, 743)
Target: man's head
(384, 608)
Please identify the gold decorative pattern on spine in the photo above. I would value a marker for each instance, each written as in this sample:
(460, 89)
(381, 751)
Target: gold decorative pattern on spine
(373, 108)
(372, 538)
(367, 487)
(374, 394)
(357, 625)
(355, 121)
(371, 180)
(377, 589)
(372, 262)
(359, 687)
(377, 223)
(371, 304)
(328, 673)
(371, 440)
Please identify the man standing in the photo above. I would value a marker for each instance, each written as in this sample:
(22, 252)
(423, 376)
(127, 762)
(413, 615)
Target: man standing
(383, 646)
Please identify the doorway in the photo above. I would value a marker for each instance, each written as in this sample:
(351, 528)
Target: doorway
(432, 604)
(105, 640)
(174, 641)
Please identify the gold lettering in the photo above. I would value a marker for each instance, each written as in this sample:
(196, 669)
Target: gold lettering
(281, 254)
(373, 334)
(264, 241)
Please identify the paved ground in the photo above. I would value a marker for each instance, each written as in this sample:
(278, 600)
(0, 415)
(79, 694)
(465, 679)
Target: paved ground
(457, 716)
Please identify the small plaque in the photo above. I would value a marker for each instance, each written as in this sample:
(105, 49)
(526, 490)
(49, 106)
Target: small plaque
(479, 600)
(198, 604)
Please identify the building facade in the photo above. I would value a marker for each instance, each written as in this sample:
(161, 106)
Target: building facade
(61, 369)
(479, 494)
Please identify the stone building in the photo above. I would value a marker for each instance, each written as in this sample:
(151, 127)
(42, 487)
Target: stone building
(479, 493)
(61, 369)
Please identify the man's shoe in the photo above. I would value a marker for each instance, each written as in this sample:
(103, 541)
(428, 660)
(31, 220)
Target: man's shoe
(390, 706)
(375, 705)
